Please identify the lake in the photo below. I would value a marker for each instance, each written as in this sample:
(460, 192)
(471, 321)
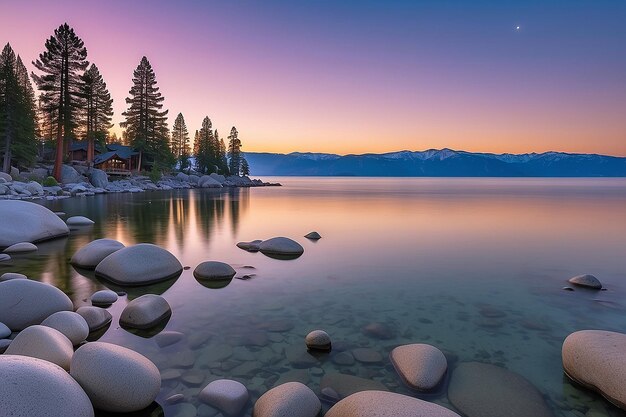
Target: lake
(474, 267)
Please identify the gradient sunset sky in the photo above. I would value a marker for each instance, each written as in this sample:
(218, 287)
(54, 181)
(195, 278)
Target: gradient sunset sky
(362, 76)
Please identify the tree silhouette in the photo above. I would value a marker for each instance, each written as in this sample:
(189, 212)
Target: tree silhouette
(98, 109)
(234, 152)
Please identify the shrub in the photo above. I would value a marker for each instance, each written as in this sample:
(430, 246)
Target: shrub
(50, 182)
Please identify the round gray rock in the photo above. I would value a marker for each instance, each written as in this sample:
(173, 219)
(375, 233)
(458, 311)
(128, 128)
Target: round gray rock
(33, 387)
(596, 359)
(281, 246)
(12, 275)
(44, 343)
(586, 280)
(226, 395)
(313, 236)
(115, 378)
(72, 325)
(95, 317)
(24, 302)
(5, 332)
(90, 255)
(213, 270)
(28, 222)
(292, 399)
(139, 265)
(421, 366)
(384, 404)
(5, 257)
(79, 221)
(21, 248)
(484, 390)
(145, 312)
(318, 340)
(252, 246)
(104, 298)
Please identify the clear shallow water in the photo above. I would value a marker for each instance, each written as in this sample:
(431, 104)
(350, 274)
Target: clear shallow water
(431, 260)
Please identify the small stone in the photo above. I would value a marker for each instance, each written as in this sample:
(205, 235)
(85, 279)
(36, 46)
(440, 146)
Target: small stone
(588, 281)
(281, 247)
(345, 385)
(72, 325)
(103, 298)
(21, 248)
(145, 312)
(193, 378)
(4, 257)
(12, 275)
(213, 270)
(5, 332)
(367, 355)
(313, 236)
(252, 246)
(174, 399)
(79, 221)
(226, 395)
(421, 366)
(292, 399)
(379, 331)
(344, 359)
(567, 289)
(318, 340)
(95, 317)
(168, 338)
(171, 374)
(183, 410)
(44, 343)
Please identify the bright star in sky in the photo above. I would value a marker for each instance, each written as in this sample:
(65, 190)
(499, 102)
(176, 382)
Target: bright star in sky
(518, 27)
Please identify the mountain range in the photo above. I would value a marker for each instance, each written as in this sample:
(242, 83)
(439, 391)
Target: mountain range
(438, 163)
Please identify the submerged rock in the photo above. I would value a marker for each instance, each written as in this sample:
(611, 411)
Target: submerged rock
(72, 325)
(586, 280)
(44, 343)
(24, 302)
(79, 221)
(139, 265)
(484, 390)
(213, 270)
(345, 385)
(226, 395)
(28, 222)
(115, 378)
(421, 366)
(33, 387)
(379, 331)
(596, 359)
(168, 338)
(21, 248)
(95, 317)
(383, 404)
(318, 340)
(145, 312)
(90, 255)
(367, 355)
(292, 399)
(281, 246)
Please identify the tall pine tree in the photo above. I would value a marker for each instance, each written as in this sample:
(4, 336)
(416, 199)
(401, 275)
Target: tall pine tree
(146, 124)
(245, 168)
(62, 63)
(180, 137)
(98, 109)
(234, 152)
(205, 161)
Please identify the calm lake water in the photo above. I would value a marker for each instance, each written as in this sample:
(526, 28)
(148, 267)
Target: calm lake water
(473, 266)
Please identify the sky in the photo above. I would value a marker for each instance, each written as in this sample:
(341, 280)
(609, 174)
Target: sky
(357, 76)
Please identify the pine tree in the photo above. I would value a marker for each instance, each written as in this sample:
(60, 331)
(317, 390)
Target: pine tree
(245, 168)
(223, 160)
(17, 112)
(98, 109)
(62, 62)
(113, 138)
(205, 161)
(145, 124)
(180, 137)
(196, 143)
(234, 152)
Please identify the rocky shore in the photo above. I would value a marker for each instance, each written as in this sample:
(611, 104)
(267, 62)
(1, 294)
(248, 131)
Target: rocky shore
(80, 181)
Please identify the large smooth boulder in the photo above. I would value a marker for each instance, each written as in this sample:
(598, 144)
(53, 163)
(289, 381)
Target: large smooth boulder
(421, 366)
(292, 399)
(21, 247)
(217, 177)
(98, 178)
(208, 182)
(44, 343)
(596, 359)
(23, 221)
(72, 325)
(386, 404)
(139, 265)
(95, 317)
(484, 390)
(79, 221)
(213, 270)
(145, 312)
(281, 246)
(115, 378)
(24, 302)
(586, 280)
(32, 387)
(34, 188)
(226, 395)
(90, 255)
(6, 177)
(70, 176)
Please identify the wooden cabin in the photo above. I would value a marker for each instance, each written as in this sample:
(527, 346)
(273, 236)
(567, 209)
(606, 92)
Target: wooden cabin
(118, 160)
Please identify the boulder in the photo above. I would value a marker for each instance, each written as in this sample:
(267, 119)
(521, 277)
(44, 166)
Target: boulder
(5, 332)
(98, 178)
(139, 265)
(12, 275)
(145, 312)
(318, 340)
(90, 255)
(292, 399)
(21, 248)
(484, 390)
(34, 188)
(226, 395)
(4, 189)
(44, 343)
(95, 317)
(70, 176)
(79, 221)
(213, 270)
(596, 359)
(24, 302)
(6, 177)
(208, 182)
(313, 236)
(281, 246)
(383, 404)
(194, 179)
(28, 222)
(586, 280)
(217, 177)
(252, 246)
(115, 378)
(345, 385)
(72, 325)
(103, 298)
(4, 257)
(4, 345)
(421, 366)
(182, 177)
(168, 338)
(33, 387)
